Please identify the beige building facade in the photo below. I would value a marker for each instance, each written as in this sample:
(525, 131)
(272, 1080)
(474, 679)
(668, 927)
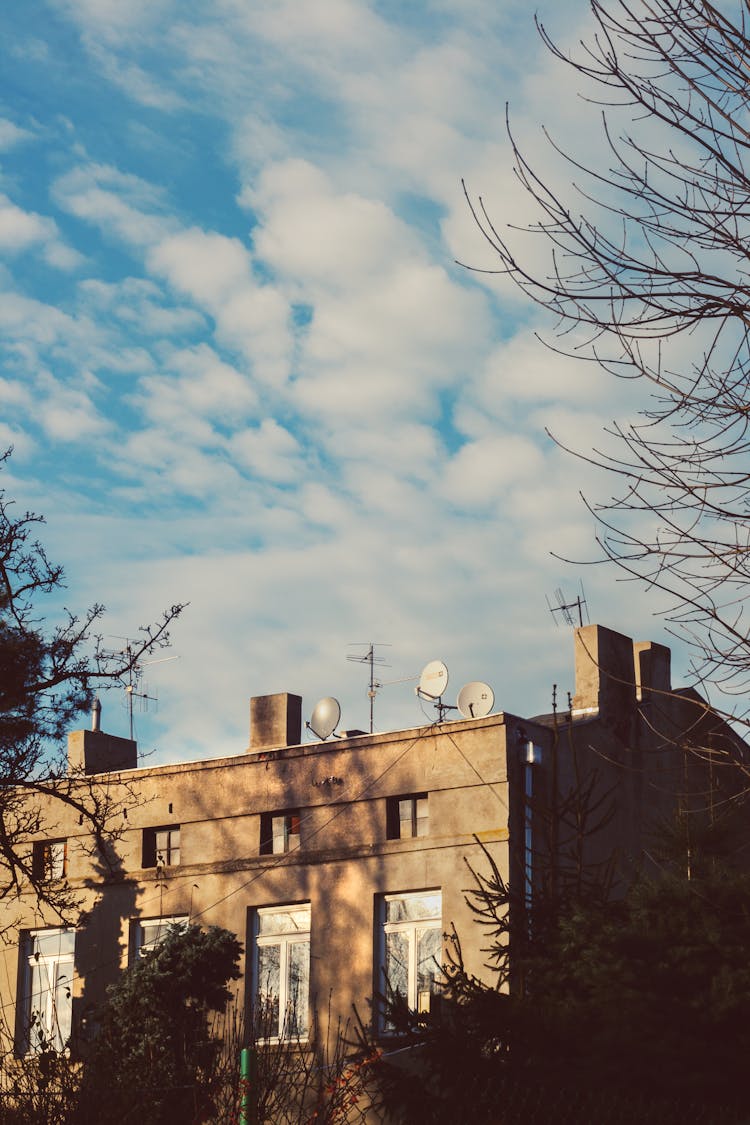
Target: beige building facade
(341, 865)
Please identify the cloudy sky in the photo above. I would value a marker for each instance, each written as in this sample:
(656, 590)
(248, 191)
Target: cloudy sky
(242, 369)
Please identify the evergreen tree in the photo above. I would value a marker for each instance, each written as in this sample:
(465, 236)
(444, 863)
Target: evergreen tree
(152, 1058)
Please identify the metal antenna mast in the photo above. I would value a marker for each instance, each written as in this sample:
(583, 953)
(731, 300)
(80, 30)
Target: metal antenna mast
(134, 677)
(372, 659)
(565, 609)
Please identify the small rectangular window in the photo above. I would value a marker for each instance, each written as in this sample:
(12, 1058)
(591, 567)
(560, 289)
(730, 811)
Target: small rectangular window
(49, 860)
(161, 846)
(407, 817)
(47, 995)
(279, 832)
(147, 933)
(282, 972)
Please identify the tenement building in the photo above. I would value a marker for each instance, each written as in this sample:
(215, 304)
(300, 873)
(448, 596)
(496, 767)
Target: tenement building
(341, 865)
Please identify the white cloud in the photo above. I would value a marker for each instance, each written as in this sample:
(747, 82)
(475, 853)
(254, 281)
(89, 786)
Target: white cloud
(67, 414)
(269, 451)
(20, 229)
(216, 272)
(12, 134)
(114, 22)
(119, 203)
(312, 233)
(480, 475)
(203, 390)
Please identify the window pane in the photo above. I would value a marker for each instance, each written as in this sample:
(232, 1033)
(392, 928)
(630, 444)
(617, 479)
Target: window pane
(405, 809)
(397, 962)
(413, 907)
(52, 943)
(429, 956)
(269, 982)
(62, 1013)
(151, 932)
(278, 831)
(38, 1007)
(299, 986)
(421, 816)
(294, 919)
(56, 860)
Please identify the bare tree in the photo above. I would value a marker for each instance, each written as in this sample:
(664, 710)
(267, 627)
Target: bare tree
(649, 272)
(48, 675)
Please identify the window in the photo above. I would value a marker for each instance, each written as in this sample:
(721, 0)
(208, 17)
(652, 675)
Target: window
(279, 832)
(412, 947)
(161, 846)
(406, 817)
(147, 933)
(47, 996)
(282, 971)
(49, 860)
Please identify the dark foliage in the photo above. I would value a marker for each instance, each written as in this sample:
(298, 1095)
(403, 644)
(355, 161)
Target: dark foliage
(153, 1055)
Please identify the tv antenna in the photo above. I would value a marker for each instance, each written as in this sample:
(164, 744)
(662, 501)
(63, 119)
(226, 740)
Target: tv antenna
(374, 661)
(567, 609)
(132, 678)
(475, 700)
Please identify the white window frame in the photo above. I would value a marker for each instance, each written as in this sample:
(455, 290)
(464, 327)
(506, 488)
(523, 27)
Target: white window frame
(267, 934)
(141, 944)
(49, 967)
(413, 929)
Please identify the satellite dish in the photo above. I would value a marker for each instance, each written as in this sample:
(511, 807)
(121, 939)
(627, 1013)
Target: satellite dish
(325, 717)
(434, 680)
(475, 700)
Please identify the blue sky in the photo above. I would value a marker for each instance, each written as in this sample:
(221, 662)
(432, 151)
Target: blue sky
(240, 367)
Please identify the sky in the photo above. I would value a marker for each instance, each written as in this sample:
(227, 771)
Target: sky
(242, 368)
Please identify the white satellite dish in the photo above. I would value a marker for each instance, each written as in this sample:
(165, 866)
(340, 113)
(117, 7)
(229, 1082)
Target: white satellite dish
(434, 680)
(475, 700)
(325, 717)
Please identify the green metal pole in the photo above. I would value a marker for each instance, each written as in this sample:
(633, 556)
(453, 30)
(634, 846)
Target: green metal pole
(249, 1111)
(244, 1084)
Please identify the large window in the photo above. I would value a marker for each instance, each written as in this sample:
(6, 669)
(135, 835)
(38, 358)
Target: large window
(412, 947)
(149, 932)
(282, 971)
(47, 989)
(279, 832)
(406, 817)
(161, 846)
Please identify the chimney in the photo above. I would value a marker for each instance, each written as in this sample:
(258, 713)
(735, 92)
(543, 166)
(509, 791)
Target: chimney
(275, 721)
(652, 668)
(605, 672)
(93, 751)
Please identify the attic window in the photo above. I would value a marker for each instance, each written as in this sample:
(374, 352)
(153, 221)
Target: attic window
(279, 832)
(49, 860)
(161, 846)
(406, 817)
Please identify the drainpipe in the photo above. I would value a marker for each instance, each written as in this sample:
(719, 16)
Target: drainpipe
(532, 757)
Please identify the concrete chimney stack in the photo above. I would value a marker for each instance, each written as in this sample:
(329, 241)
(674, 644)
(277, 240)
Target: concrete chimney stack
(275, 721)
